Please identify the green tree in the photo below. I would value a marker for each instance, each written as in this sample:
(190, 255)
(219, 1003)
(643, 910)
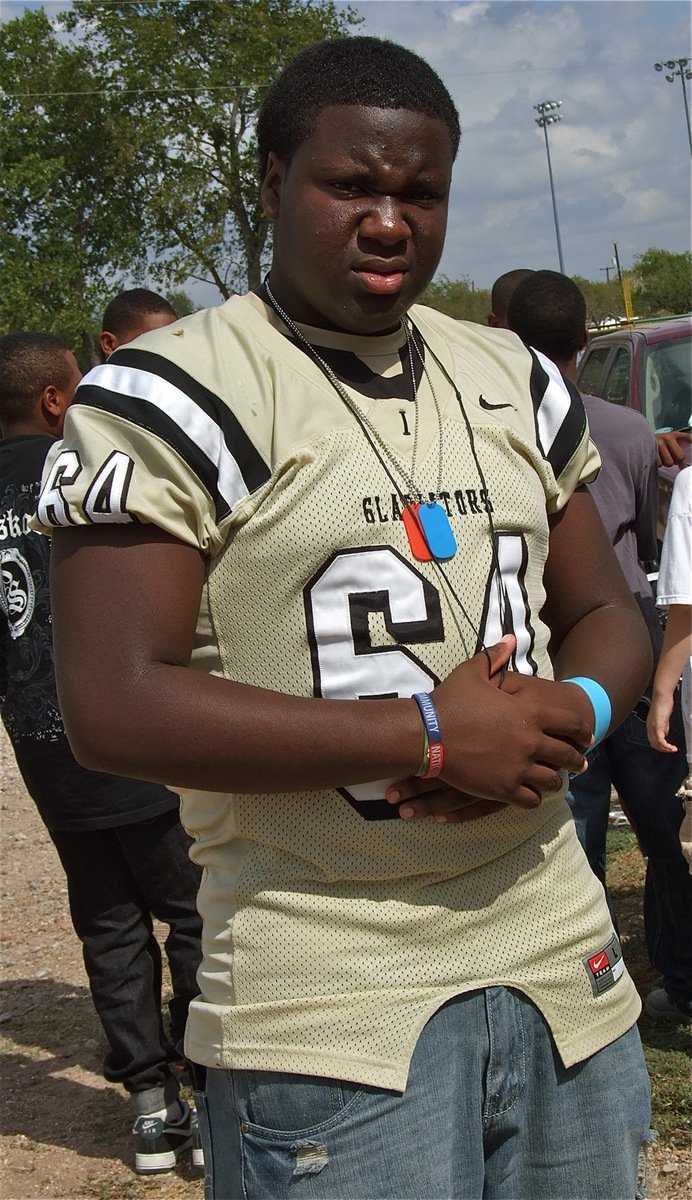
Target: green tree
(458, 298)
(69, 222)
(604, 300)
(662, 282)
(128, 150)
(181, 302)
(191, 75)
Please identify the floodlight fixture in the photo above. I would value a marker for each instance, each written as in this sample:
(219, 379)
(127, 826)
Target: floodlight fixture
(683, 73)
(546, 117)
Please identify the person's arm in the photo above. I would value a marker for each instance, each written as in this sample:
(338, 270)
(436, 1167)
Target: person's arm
(596, 627)
(597, 631)
(676, 652)
(125, 605)
(674, 448)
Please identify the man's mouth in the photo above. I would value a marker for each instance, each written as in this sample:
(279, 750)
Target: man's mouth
(381, 279)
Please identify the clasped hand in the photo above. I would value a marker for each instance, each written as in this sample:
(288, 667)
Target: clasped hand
(506, 736)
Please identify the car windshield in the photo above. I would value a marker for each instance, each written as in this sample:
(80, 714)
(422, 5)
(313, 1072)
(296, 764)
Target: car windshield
(667, 384)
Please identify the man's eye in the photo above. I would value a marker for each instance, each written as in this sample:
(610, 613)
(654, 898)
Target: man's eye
(346, 187)
(423, 196)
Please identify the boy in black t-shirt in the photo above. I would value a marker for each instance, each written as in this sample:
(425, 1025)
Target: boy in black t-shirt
(119, 840)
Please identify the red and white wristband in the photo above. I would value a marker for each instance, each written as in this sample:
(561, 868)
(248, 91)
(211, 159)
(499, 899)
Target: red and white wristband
(433, 750)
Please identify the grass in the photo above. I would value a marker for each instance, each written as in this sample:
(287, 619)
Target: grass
(666, 1045)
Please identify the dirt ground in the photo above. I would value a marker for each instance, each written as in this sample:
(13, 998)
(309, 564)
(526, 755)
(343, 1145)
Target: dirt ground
(65, 1132)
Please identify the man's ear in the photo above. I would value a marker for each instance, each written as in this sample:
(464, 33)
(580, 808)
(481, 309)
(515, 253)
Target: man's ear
(52, 407)
(270, 192)
(108, 342)
(584, 339)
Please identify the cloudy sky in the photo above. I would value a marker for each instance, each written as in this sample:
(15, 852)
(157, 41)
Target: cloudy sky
(620, 156)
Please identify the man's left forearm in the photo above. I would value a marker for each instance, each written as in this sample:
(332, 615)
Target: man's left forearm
(612, 646)
(596, 626)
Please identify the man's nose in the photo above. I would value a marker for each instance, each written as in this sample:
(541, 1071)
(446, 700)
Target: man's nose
(384, 220)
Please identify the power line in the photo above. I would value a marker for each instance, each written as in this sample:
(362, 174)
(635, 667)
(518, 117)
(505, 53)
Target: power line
(221, 87)
(262, 83)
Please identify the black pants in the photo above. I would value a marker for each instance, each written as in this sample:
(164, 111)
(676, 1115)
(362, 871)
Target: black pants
(117, 879)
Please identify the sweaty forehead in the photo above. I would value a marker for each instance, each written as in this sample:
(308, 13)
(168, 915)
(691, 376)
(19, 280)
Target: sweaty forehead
(379, 137)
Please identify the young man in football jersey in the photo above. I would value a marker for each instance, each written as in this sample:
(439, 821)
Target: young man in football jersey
(336, 536)
(120, 841)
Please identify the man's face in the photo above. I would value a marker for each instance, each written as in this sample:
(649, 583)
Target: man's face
(359, 217)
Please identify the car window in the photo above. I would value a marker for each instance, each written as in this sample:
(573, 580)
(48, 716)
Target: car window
(618, 382)
(668, 384)
(591, 370)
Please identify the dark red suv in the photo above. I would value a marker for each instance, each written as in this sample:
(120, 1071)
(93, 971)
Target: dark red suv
(647, 367)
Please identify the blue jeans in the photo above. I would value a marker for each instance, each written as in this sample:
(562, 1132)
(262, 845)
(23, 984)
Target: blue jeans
(646, 782)
(489, 1112)
(116, 880)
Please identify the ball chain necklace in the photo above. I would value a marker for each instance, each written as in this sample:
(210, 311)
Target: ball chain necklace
(426, 523)
(418, 542)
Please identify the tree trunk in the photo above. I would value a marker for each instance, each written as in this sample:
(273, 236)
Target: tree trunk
(91, 351)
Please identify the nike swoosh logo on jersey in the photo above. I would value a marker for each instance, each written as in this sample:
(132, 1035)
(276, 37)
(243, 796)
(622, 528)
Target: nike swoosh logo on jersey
(490, 407)
(600, 962)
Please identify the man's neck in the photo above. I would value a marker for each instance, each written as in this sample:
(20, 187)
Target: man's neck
(27, 429)
(568, 367)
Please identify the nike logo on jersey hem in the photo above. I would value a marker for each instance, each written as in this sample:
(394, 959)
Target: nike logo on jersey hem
(491, 407)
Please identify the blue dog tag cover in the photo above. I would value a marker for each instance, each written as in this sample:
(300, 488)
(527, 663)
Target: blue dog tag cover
(438, 531)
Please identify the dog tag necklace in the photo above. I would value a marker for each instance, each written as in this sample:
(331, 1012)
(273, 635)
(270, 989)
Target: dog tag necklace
(426, 523)
(430, 516)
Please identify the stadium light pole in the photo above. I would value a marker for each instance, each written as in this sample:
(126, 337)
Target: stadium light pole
(684, 73)
(548, 116)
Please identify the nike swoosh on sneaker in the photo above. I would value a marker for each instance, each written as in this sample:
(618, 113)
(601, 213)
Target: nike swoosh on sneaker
(491, 407)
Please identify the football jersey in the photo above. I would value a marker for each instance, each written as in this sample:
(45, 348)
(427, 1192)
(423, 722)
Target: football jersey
(331, 934)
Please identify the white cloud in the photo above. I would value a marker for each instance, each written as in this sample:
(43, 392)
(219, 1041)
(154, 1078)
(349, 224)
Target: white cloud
(620, 155)
(466, 14)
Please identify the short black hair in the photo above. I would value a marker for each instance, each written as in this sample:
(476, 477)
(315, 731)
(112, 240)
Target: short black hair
(365, 71)
(503, 289)
(548, 312)
(29, 362)
(127, 310)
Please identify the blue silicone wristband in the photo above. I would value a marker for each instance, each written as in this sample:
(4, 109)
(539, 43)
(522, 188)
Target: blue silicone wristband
(600, 703)
(429, 714)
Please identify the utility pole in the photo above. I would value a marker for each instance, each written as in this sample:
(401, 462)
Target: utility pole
(625, 285)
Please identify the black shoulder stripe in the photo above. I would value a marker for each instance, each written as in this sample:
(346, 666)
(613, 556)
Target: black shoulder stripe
(559, 415)
(254, 470)
(143, 415)
(570, 433)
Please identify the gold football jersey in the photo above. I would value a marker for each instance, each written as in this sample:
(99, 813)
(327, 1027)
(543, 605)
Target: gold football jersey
(331, 933)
